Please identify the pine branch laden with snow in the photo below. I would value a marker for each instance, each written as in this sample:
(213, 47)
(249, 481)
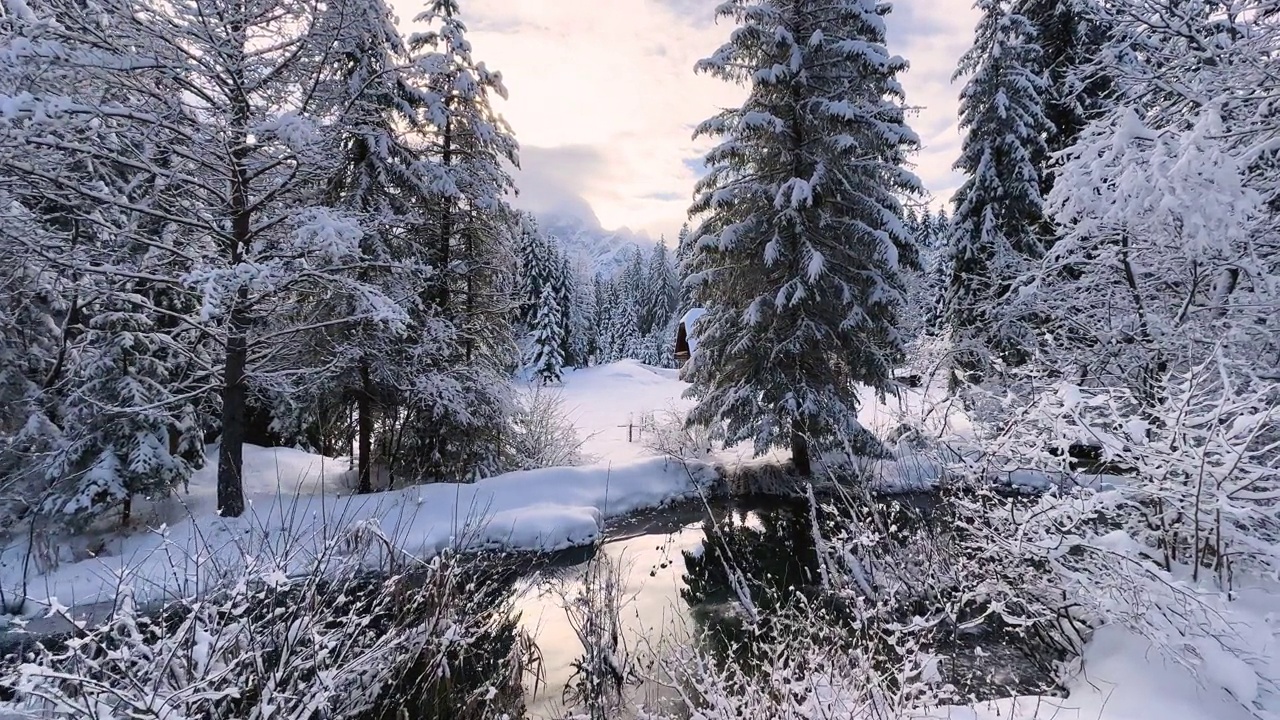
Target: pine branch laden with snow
(802, 245)
(1071, 36)
(995, 231)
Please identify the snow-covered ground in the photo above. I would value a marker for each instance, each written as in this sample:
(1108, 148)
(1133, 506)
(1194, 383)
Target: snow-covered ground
(297, 501)
(1121, 677)
(603, 401)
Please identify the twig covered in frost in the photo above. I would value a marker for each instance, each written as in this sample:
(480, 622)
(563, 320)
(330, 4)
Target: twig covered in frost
(541, 434)
(594, 612)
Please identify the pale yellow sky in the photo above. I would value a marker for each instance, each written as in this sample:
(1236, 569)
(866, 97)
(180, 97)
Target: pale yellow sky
(603, 98)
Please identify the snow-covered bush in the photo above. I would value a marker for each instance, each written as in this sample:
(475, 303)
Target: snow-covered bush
(668, 433)
(1202, 460)
(824, 646)
(540, 433)
(1159, 550)
(334, 642)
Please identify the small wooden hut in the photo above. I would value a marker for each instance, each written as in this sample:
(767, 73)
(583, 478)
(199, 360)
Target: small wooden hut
(686, 341)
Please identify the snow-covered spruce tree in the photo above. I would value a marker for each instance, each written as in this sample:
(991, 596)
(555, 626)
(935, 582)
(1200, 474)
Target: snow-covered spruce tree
(799, 252)
(232, 182)
(684, 251)
(117, 428)
(926, 284)
(34, 307)
(376, 361)
(995, 230)
(540, 268)
(579, 310)
(632, 284)
(622, 327)
(1070, 35)
(600, 317)
(469, 143)
(660, 292)
(562, 286)
(472, 239)
(546, 359)
(92, 257)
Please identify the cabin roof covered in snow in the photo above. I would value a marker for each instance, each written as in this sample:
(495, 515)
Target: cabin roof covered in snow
(686, 323)
(691, 317)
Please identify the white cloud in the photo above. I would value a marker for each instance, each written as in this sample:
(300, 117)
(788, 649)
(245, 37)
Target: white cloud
(604, 98)
(932, 35)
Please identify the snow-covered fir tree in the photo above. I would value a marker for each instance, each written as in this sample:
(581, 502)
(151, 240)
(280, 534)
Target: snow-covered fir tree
(660, 291)
(120, 440)
(684, 252)
(537, 265)
(546, 358)
(580, 315)
(469, 146)
(1070, 35)
(621, 334)
(925, 285)
(801, 245)
(996, 228)
(382, 178)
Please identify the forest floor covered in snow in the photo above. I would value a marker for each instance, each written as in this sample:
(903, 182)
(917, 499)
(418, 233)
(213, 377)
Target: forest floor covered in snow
(298, 501)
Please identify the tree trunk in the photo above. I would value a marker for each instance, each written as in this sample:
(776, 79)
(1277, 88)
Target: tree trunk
(800, 448)
(234, 400)
(364, 410)
(235, 390)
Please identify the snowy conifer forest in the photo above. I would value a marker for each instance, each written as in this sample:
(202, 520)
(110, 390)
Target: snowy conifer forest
(303, 414)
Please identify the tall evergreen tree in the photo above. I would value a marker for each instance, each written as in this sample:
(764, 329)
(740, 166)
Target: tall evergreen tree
(684, 252)
(1070, 35)
(802, 238)
(580, 325)
(999, 207)
(600, 318)
(660, 292)
(382, 177)
(546, 358)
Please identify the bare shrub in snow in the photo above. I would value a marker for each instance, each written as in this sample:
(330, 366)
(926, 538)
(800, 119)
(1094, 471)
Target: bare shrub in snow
(540, 433)
(668, 433)
(594, 611)
(335, 641)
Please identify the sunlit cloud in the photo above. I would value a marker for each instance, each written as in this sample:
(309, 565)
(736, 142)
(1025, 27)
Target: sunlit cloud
(604, 100)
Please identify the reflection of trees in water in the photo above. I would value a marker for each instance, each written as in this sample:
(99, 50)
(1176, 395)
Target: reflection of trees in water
(480, 675)
(771, 553)
(766, 554)
(772, 549)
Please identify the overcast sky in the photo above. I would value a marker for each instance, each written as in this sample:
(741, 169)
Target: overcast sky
(603, 98)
